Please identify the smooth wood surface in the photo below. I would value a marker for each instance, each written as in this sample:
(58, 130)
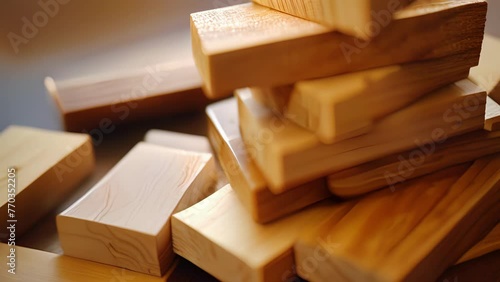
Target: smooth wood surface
(48, 166)
(177, 140)
(244, 176)
(492, 117)
(348, 105)
(250, 45)
(289, 155)
(101, 102)
(490, 243)
(412, 234)
(401, 167)
(355, 18)
(487, 73)
(39, 266)
(219, 236)
(125, 219)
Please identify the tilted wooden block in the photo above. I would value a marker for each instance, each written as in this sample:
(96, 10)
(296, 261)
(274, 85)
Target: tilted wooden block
(244, 176)
(288, 155)
(251, 45)
(219, 236)
(487, 73)
(348, 105)
(412, 234)
(39, 266)
(102, 102)
(362, 19)
(401, 167)
(490, 243)
(125, 219)
(492, 117)
(177, 140)
(38, 169)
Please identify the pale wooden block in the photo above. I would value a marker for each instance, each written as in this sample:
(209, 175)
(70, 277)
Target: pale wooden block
(412, 234)
(219, 236)
(348, 105)
(359, 18)
(101, 102)
(401, 167)
(245, 178)
(48, 166)
(38, 266)
(492, 117)
(177, 140)
(291, 49)
(288, 155)
(487, 73)
(124, 220)
(490, 243)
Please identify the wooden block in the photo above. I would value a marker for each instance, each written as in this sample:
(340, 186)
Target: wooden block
(101, 102)
(245, 178)
(490, 243)
(177, 140)
(357, 18)
(219, 236)
(45, 167)
(412, 234)
(38, 266)
(487, 74)
(288, 155)
(124, 220)
(401, 167)
(251, 45)
(326, 106)
(492, 117)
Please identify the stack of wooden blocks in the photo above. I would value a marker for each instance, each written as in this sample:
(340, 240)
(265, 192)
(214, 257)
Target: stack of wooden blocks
(359, 150)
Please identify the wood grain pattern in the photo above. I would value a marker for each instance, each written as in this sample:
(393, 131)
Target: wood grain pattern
(100, 102)
(356, 18)
(39, 266)
(487, 73)
(245, 178)
(490, 243)
(124, 220)
(177, 140)
(492, 117)
(412, 234)
(219, 236)
(401, 167)
(291, 49)
(325, 106)
(288, 155)
(48, 164)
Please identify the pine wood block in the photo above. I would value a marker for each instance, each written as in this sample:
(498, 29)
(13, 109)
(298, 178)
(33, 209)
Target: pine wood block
(48, 166)
(412, 234)
(38, 266)
(177, 140)
(401, 167)
(219, 236)
(124, 220)
(492, 117)
(358, 18)
(487, 73)
(102, 102)
(288, 155)
(279, 49)
(245, 178)
(490, 243)
(325, 106)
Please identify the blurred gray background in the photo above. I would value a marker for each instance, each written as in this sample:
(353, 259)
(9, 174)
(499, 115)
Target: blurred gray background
(91, 37)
